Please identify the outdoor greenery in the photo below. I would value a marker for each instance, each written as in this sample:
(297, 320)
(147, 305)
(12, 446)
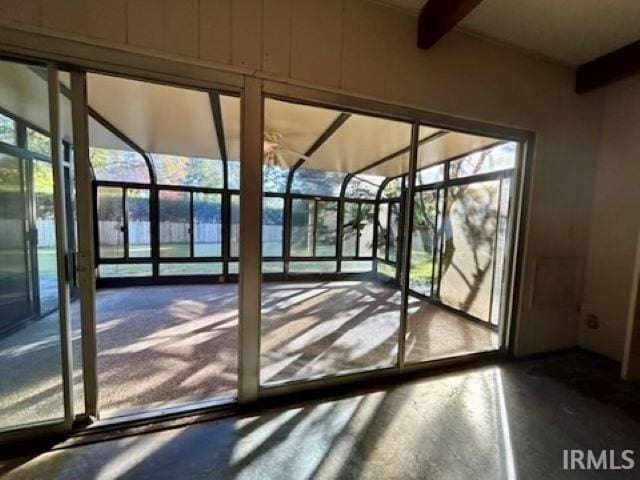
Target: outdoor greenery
(7, 130)
(118, 165)
(188, 171)
(317, 182)
(38, 142)
(178, 170)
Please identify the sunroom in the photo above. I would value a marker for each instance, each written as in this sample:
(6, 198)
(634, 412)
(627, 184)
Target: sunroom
(375, 228)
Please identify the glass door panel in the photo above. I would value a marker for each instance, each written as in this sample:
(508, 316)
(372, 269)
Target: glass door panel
(31, 389)
(31, 369)
(470, 235)
(110, 209)
(138, 226)
(423, 242)
(500, 251)
(46, 235)
(350, 229)
(207, 224)
(326, 229)
(272, 226)
(459, 246)
(394, 230)
(234, 234)
(315, 322)
(302, 222)
(383, 216)
(365, 224)
(15, 287)
(175, 223)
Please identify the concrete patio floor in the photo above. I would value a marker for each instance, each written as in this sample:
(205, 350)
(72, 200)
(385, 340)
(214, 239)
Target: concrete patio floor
(173, 345)
(508, 421)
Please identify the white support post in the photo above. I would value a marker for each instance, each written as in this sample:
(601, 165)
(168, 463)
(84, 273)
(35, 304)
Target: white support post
(62, 251)
(406, 244)
(85, 257)
(250, 241)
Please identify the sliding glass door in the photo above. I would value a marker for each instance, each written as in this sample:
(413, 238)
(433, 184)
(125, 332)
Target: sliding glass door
(34, 293)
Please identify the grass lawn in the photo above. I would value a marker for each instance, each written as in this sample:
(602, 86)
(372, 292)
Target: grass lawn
(421, 270)
(421, 265)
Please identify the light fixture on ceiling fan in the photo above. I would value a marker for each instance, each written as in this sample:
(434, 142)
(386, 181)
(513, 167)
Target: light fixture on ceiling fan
(276, 154)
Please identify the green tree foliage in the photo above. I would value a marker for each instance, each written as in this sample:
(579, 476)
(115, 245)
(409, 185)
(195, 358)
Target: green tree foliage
(188, 171)
(38, 142)
(118, 165)
(7, 130)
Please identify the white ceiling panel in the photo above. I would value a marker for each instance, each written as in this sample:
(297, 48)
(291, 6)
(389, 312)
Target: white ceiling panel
(359, 142)
(452, 144)
(297, 126)
(158, 118)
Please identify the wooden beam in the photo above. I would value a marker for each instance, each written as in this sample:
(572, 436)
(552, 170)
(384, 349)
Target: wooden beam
(437, 17)
(609, 68)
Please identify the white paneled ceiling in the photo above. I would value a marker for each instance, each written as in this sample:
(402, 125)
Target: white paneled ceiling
(571, 32)
(169, 120)
(158, 118)
(361, 141)
(452, 144)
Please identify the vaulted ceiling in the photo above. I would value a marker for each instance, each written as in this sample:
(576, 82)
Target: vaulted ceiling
(571, 32)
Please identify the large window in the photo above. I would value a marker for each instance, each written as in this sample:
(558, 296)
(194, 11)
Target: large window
(31, 335)
(166, 190)
(351, 251)
(458, 247)
(313, 231)
(330, 315)
(469, 244)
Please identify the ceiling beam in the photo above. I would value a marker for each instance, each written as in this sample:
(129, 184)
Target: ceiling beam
(437, 17)
(609, 68)
(324, 136)
(335, 125)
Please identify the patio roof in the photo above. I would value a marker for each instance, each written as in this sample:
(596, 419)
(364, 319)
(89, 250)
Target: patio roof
(178, 121)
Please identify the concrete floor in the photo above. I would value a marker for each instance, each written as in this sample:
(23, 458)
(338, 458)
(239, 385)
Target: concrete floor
(495, 421)
(174, 345)
(313, 329)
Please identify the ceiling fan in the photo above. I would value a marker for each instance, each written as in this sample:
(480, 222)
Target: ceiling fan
(278, 155)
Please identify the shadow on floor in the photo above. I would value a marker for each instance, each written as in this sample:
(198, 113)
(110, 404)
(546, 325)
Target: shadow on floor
(173, 345)
(494, 421)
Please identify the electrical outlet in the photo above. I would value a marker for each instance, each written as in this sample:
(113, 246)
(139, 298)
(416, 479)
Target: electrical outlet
(592, 321)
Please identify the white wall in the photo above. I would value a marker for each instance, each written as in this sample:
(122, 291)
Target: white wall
(367, 49)
(615, 221)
